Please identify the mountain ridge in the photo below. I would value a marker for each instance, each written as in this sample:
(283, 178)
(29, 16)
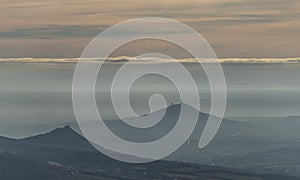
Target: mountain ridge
(63, 136)
(59, 162)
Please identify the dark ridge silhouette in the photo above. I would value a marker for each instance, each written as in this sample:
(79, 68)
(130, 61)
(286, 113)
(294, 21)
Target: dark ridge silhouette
(62, 137)
(63, 154)
(35, 161)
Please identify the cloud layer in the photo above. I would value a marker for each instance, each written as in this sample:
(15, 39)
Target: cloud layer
(234, 28)
(150, 60)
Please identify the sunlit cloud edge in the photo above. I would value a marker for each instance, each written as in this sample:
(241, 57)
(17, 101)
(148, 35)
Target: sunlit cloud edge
(151, 60)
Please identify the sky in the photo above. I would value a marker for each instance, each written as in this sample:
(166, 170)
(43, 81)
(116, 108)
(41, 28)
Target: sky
(234, 28)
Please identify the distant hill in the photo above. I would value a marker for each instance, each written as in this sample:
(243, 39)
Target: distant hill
(52, 159)
(63, 154)
(62, 137)
(90, 166)
(168, 122)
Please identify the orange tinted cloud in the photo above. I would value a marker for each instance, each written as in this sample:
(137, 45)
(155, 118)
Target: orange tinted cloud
(234, 28)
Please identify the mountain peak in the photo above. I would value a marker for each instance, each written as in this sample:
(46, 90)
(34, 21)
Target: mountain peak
(60, 131)
(65, 128)
(63, 136)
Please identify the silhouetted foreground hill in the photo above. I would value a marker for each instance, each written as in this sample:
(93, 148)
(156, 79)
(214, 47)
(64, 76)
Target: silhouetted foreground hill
(65, 155)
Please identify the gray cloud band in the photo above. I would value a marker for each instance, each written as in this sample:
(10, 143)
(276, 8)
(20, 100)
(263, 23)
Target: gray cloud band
(104, 45)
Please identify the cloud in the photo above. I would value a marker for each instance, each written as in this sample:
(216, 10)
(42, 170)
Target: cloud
(258, 4)
(234, 28)
(152, 60)
(53, 32)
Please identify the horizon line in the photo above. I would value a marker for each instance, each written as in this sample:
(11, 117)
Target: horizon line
(152, 60)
